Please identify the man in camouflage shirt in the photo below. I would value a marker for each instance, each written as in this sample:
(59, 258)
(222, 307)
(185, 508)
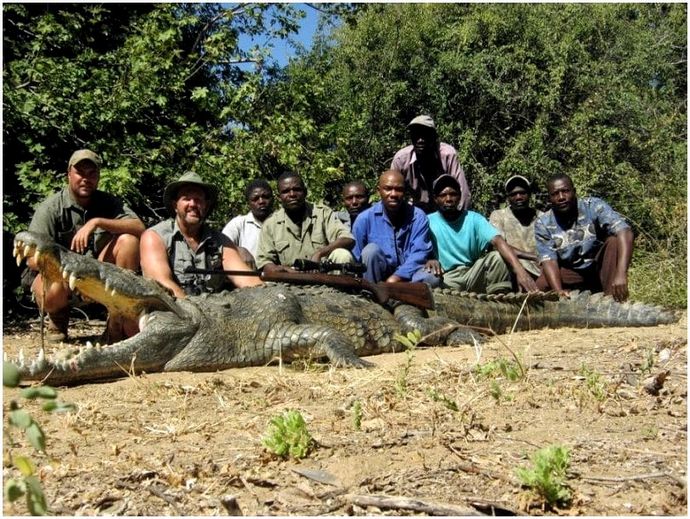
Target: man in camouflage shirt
(516, 222)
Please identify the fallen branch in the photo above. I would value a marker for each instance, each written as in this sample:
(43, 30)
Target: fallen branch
(639, 477)
(405, 503)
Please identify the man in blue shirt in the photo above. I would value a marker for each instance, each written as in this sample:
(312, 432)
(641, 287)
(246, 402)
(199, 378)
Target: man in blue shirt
(392, 236)
(460, 238)
(582, 243)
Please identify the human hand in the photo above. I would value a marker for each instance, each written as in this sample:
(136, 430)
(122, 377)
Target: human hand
(619, 287)
(434, 267)
(80, 242)
(526, 283)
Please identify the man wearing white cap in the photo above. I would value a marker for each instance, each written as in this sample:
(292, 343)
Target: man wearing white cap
(425, 160)
(516, 222)
(87, 221)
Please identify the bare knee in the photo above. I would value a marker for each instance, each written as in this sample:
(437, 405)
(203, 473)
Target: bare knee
(51, 298)
(126, 252)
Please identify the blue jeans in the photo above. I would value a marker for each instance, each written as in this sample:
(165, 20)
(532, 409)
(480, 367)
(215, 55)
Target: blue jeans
(378, 270)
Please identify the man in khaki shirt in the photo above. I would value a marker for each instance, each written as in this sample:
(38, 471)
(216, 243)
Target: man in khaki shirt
(300, 230)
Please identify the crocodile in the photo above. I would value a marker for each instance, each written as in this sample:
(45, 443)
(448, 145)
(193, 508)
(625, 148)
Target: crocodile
(279, 322)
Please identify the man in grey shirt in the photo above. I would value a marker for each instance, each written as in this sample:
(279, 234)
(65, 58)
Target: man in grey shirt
(87, 221)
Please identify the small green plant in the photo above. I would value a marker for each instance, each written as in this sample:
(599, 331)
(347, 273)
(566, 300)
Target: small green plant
(28, 484)
(287, 435)
(357, 415)
(507, 368)
(548, 474)
(410, 342)
(650, 432)
(595, 385)
(648, 362)
(495, 391)
(440, 397)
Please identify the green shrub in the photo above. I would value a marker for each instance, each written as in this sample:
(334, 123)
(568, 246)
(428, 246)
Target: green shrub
(287, 435)
(547, 476)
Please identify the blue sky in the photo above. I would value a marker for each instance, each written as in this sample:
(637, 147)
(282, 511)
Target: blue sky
(282, 52)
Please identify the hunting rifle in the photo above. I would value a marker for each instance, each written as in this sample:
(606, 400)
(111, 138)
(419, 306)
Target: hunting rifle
(416, 294)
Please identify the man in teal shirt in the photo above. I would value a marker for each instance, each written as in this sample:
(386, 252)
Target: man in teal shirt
(460, 237)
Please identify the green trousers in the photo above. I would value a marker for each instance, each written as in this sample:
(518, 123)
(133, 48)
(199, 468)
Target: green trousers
(488, 275)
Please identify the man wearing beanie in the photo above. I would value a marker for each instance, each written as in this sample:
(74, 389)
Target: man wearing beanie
(516, 222)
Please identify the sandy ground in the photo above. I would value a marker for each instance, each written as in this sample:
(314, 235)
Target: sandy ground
(432, 430)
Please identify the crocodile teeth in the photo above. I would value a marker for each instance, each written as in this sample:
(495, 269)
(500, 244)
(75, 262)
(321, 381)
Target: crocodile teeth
(27, 250)
(37, 255)
(19, 259)
(107, 285)
(15, 249)
(72, 281)
(113, 292)
(65, 274)
(41, 355)
(89, 345)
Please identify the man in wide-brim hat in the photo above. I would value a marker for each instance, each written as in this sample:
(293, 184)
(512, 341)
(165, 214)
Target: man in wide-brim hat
(169, 248)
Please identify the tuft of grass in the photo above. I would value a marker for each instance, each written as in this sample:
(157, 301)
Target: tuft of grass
(595, 386)
(547, 477)
(410, 342)
(287, 435)
(507, 368)
(357, 415)
(660, 276)
(443, 399)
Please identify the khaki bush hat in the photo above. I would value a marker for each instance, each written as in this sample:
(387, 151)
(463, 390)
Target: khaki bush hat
(517, 179)
(80, 155)
(422, 120)
(190, 178)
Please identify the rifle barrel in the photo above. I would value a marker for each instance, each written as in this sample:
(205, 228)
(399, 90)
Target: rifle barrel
(417, 294)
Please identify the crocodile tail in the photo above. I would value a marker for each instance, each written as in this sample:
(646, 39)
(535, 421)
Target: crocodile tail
(584, 309)
(504, 312)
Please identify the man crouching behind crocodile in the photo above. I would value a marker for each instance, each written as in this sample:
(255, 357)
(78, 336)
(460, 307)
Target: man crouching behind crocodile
(255, 326)
(184, 240)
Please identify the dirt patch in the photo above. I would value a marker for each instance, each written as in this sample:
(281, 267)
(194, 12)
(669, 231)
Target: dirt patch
(433, 430)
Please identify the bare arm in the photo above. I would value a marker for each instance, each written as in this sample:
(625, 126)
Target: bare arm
(553, 276)
(233, 261)
(340, 243)
(619, 286)
(132, 226)
(154, 262)
(524, 280)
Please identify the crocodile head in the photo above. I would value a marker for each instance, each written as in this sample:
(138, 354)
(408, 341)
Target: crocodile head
(166, 325)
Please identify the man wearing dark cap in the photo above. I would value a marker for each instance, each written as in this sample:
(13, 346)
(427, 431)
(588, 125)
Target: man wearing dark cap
(425, 160)
(87, 221)
(516, 222)
(461, 237)
(183, 241)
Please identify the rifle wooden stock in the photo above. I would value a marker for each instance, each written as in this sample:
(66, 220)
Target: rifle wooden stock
(416, 294)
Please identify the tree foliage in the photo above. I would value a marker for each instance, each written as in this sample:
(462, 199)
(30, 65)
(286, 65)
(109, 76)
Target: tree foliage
(152, 88)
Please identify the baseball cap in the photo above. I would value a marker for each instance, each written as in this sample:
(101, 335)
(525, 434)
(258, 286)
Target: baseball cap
(80, 155)
(517, 179)
(445, 181)
(422, 120)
